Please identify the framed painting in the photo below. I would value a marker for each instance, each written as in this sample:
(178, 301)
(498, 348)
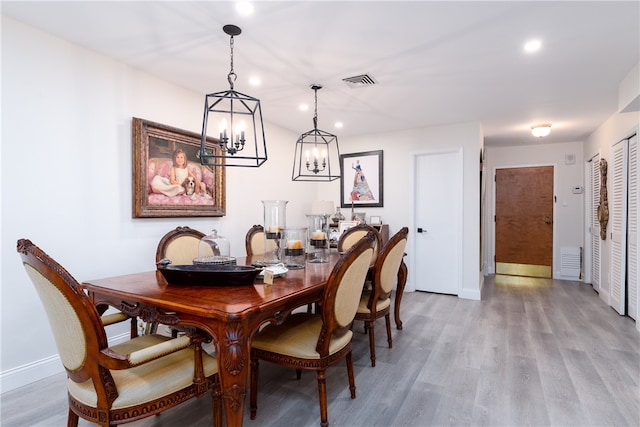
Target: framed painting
(168, 178)
(361, 179)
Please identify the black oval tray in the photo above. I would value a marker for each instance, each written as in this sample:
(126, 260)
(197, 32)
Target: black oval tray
(209, 275)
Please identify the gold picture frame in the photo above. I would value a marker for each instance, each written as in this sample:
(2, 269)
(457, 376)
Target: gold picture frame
(154, 195)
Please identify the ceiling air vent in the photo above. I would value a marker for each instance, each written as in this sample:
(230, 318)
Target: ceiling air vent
(359, 81)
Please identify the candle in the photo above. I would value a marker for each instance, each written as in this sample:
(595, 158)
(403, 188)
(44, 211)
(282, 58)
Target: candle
(223, 129)
(240, 131)
(318, 235)
(294, 244)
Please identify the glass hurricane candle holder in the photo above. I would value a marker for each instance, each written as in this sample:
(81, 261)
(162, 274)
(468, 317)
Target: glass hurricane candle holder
(318, 249)
(293, 247)
(275, 221)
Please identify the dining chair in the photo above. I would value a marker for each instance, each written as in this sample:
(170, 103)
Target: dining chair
(375, 303)
(315, 341)
(111, 385)
(181, 245)
(255, 241)
(355, 233)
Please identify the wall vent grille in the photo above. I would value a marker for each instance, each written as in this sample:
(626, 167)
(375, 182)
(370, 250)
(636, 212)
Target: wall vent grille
(570, 262)
(362, 80)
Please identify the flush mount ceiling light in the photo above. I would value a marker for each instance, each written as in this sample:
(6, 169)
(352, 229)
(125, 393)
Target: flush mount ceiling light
(317, 156)
(532, 46)
(541, 130)
(236, 120)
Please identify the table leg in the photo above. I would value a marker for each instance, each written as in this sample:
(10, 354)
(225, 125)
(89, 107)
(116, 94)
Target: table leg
(402, 281)
(233, 361)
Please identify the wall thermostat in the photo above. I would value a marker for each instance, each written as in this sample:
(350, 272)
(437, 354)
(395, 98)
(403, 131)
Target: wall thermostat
(576, 190)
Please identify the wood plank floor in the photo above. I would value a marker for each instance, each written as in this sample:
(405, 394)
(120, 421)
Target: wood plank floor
(533, 352)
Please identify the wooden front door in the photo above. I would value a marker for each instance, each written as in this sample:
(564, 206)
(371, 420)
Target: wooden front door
(524, 221)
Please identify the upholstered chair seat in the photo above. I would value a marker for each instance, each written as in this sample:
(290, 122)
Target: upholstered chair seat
(149, 381)
(381, 304)
(299, 338)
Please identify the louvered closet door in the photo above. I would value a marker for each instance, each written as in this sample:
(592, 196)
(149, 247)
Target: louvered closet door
(632, 234)
(594, 225)
(618, 222)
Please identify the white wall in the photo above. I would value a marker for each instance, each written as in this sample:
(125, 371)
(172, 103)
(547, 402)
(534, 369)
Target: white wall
(67, 180)
(67, 177)
(399, 150)
(618, 127)
(569, 208)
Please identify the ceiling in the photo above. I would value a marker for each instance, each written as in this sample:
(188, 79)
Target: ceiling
(434, 63)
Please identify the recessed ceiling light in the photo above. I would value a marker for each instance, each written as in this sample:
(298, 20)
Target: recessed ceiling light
(254, 81)
(303, 107)
(338, 125)
(244, 8)
(532, 46)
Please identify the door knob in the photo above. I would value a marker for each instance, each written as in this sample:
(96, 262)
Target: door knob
(548, 220)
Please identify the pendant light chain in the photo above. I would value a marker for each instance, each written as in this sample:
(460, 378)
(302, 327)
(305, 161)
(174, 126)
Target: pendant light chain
(232, 75)
(315, 111)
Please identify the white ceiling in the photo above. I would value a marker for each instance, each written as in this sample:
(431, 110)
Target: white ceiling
(435, 63)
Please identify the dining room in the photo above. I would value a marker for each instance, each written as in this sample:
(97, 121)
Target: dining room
(69, 118)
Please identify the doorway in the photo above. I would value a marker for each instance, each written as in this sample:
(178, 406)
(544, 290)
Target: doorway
(524, 221)
(438, 218)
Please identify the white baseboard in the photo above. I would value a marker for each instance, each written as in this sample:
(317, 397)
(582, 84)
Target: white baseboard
(20, 376)
(26, 374)
(470, 294)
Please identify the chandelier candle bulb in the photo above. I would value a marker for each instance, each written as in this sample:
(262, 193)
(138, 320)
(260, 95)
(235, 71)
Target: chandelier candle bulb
(223, 130)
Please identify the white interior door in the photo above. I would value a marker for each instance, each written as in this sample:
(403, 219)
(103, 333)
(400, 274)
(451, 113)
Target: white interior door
(438, 217)
(633, 263)
(594, 225)
(618, 221)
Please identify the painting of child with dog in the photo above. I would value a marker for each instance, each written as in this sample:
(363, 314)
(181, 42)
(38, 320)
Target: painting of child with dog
(176, 181)
(169, 180)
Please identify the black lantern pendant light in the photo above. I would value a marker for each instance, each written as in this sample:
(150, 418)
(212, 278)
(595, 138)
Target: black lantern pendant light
(317, 156)
(236, 121)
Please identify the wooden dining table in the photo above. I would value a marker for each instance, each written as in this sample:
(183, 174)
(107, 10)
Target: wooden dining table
(230, 314)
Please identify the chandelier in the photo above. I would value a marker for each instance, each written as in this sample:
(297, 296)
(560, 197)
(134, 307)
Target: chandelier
(236, 120)
(314, 153)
